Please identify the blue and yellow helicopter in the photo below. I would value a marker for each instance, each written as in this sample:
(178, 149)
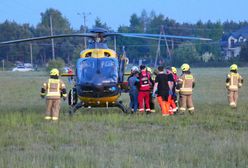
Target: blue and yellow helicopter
(99, 74)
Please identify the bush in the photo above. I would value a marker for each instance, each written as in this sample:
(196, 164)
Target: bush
(57, 63)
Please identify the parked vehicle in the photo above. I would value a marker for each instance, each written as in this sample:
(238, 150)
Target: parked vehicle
(22, 68)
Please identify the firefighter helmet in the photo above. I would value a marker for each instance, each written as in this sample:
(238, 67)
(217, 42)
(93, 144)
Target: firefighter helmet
(54, 72)
(134, 69)
(234, 67)
(185, 67)
(149, 69)
(173, 69)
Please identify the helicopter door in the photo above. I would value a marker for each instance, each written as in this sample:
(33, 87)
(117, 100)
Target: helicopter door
(122, 69)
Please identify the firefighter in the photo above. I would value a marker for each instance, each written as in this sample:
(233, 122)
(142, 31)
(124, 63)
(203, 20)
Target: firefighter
(145, 83)
(185, 85)
(53, 90)
(234, 81)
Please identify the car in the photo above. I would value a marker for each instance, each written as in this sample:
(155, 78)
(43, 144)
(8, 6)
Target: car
(22, 69)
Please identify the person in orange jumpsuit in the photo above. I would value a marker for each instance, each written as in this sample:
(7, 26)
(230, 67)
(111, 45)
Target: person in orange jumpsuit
(163, 86)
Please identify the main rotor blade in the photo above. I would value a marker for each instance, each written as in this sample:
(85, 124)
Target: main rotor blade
(90, 35)
(144, 35)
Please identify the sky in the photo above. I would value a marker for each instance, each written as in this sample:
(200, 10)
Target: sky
(117, 12)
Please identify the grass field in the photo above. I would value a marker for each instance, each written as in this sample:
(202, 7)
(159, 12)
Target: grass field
(216, 136)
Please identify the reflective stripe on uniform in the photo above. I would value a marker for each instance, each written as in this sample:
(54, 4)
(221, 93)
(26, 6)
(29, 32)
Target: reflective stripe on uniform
(48, 118)
(183, 89)
(55, 118)
(186, 89)
(232, 85)
(233, 104)
(55, 93)
(188, 76)
(191, 108)
(182, 109)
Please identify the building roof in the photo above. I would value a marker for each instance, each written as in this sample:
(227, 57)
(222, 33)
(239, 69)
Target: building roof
(236, 34)
(241, 32)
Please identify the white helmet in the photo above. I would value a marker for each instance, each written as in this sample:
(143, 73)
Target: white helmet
(134, 69)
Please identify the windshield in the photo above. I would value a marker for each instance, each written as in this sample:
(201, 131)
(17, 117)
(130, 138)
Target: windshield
(97, 70)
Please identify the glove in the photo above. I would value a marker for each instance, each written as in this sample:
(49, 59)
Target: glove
(153, 95)
(64, 98)
(170, 92)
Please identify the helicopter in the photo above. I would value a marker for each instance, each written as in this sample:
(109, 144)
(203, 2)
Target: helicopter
(99, 73)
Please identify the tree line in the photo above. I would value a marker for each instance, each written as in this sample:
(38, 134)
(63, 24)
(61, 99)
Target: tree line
(176, 51)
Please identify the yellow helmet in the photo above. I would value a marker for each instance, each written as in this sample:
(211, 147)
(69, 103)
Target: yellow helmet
(173, 69)
(234, 67)
(149, 69)
(185, 67)
(54, 72)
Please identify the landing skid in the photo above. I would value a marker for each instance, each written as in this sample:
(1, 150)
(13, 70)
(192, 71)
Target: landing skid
(79, 105)
(75, 107)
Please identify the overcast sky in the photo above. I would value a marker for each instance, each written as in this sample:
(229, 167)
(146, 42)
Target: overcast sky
(118, 12)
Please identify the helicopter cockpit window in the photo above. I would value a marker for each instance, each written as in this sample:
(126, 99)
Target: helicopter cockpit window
(88, 54)
(106, 54)
(86, 69)
(109, 69)
(96, 71)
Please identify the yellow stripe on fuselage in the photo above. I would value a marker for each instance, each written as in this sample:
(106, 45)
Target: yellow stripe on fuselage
(98, 53)
(99, 101)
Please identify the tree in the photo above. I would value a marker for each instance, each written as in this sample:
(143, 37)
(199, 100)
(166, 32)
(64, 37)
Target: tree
(185, 53)
(60, 25)
(12, 31)
(100, 24)
(244, 52)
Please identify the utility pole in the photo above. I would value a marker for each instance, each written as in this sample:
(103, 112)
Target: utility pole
(85, 15)
(31, 53)
(115, 43)
(51, 30)
(162, 34)
(3, 64)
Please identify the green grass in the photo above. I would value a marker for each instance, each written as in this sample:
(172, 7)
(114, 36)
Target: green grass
(216, 136)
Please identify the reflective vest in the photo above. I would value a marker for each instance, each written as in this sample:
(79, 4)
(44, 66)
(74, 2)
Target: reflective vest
(53, 87)
(144, 81)
(235, 81)
(186, 81)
